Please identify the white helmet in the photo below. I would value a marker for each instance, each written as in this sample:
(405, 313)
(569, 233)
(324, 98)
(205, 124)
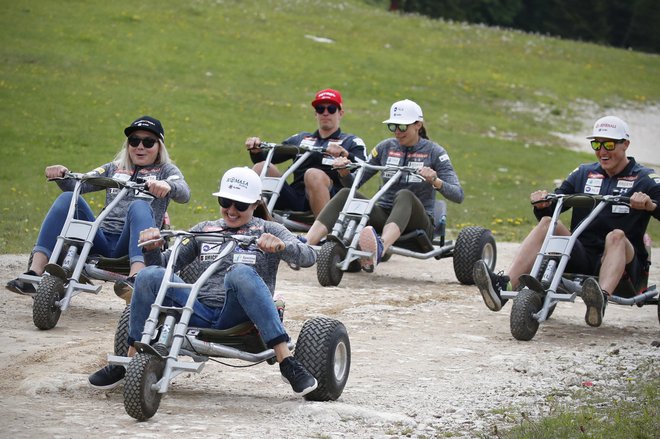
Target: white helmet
(240, 184)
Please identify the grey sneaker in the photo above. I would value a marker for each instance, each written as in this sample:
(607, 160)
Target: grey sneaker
(370, 241)
(490, 285)
(594, 298)
(302, 382)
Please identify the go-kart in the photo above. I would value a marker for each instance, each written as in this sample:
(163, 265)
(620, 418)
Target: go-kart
(547, 284)
(322, 346)
(340, 253)
(71, 268)
(295, 221)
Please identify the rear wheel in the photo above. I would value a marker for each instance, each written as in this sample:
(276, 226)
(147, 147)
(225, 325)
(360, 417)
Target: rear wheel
(121, 333)
(46, 310)
(525, 305)
(473, 243)
(328, 272)
(325, 351)
(141, 399)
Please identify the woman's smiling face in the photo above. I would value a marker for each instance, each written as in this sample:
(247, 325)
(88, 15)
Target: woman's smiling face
(140, 155)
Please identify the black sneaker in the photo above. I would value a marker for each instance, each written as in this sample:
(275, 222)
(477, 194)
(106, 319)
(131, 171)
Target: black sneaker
(594, 298)
(107, 378)
(490, 285)
(21, 287)
(302, 382)
(124, 288)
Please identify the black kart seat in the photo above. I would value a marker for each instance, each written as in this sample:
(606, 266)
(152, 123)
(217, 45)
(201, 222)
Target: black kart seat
(417, 240)
(120, 265)
(244, 337)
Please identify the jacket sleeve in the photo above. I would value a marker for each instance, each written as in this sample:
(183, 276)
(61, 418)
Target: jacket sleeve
(295, 251)
(180, 191)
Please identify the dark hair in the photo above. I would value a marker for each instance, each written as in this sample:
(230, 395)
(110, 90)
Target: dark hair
(261, 211)
(422, 132)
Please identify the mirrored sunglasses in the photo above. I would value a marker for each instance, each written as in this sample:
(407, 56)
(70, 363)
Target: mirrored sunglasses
(400, 126)
(609, 145)
(147, 142)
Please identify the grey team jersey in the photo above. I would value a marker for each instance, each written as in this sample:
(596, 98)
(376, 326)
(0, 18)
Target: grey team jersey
(213, 292)
(424, 153)
(114, 222)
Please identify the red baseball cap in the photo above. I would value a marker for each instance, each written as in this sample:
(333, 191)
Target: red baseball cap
(328, 95)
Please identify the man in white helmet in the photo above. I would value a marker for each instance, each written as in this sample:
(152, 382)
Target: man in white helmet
(613, 245)
(240, 290)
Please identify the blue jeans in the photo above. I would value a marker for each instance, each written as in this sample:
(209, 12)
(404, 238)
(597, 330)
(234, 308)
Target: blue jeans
(247, 299)
(140, 216)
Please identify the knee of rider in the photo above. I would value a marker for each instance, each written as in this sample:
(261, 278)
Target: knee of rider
(314, 177)
(149, 275)
(615, 236)
(544, 222)
(63, 201)
(139, 206)
(403, 193)
(237, 273)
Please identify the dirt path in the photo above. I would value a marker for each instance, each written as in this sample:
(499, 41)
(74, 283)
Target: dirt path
(428, 358)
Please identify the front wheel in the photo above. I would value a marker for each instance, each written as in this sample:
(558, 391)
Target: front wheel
(525, 305)
(46, 310)
(121, 333)
(141, 399)
(328, 272)
(473, 243)
(325, 351)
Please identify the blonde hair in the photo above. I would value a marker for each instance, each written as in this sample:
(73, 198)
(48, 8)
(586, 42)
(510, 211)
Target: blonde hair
(123, 158)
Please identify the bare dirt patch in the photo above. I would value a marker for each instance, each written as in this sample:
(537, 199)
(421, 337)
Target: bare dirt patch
(428, 358)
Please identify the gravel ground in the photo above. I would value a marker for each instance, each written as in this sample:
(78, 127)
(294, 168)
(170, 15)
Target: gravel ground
(428, 359)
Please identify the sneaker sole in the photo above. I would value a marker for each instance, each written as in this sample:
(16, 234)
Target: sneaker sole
(482, 280)
(367, 243)
(304, 391)
(108, 387)
(590, 293)
(21, 292)
(124, 292)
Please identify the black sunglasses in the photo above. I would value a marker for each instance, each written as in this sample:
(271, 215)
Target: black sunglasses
(320, 109)
(393, 127)
(147, 142)
(609, 145)
(227, 202)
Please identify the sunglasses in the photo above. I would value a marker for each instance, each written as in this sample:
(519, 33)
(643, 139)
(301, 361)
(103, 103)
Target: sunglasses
(226, 203)
(609, 145)
(400, 126)
(320, 109)
(147, 142)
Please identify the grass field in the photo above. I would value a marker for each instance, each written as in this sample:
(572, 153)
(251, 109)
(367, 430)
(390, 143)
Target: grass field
(75, 73)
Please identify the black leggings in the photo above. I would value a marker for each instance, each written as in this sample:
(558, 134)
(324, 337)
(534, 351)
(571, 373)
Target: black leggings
(407, 212)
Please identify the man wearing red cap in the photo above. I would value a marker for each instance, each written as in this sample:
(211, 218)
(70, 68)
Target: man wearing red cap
(314, 181)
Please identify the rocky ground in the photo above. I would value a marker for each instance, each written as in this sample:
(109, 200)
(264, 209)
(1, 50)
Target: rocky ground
(428, 360)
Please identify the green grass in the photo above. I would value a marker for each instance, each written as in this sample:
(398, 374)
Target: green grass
(74, 73)
(634, 415)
